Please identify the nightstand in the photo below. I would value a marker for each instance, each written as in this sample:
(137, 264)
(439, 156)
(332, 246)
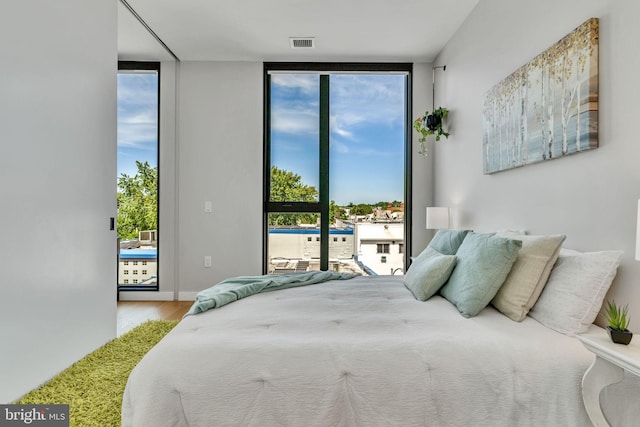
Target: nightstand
(608, 368)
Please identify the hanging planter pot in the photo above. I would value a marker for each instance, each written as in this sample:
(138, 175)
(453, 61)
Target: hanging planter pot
(430, 124)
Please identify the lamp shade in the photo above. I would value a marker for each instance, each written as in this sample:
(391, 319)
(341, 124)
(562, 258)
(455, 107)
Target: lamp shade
(438, 218)
(638, 234)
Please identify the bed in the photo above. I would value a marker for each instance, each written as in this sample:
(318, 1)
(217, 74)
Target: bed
(357, 352)
(369, 351)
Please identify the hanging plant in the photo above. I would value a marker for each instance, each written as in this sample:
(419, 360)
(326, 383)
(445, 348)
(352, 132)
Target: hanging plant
(430, 124)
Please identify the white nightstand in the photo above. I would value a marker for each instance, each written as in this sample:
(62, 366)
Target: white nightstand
(608, 368)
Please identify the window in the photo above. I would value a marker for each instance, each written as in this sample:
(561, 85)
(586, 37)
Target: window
(318, 158)
(137, 177)
(126, 271)
(309, 239)
(144, 271)
(383, 248)
(126, 281)
(400, 248)
(135, 271)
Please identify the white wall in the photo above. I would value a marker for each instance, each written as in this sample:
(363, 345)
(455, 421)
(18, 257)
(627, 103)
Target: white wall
(57, 187)
(168, 227)
(219, 160)
(422, 166)
(591, 197)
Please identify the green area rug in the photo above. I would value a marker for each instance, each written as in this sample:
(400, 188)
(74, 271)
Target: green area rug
(93, 386)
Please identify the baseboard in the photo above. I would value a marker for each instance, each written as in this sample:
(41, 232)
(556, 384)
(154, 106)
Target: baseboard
(145, 296)
(187, 296)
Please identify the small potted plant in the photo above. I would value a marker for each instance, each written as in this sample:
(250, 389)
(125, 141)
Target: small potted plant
(430, 124)
(618, 322)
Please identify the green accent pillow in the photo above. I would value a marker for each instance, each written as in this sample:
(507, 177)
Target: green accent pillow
(484, 261)
(447, 242)
(428, 272)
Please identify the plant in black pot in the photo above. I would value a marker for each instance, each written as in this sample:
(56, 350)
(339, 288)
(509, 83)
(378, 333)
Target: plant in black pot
(430, 124)
(617, 323)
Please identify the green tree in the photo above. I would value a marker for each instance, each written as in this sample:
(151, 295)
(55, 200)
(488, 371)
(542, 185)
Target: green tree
(288, 187)
(137, 201)
(361, 209)
(336, 211)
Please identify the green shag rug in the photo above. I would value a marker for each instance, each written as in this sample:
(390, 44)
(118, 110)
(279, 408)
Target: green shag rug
(93, 387)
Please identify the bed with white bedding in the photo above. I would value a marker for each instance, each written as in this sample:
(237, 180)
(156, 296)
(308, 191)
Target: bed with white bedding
(358, 352)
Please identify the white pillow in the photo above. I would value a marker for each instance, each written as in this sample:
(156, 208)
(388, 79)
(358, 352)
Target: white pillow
(575, 290)
(529, 274)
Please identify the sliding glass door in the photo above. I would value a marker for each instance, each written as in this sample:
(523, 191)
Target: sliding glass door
(336, 175)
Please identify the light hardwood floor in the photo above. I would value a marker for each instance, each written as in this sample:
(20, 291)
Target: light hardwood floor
(133, 313)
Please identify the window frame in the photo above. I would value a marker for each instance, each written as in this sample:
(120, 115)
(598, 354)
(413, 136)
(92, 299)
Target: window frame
(322, 206)
(146, 66)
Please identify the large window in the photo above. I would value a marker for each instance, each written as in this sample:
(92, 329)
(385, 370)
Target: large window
(336, 164)
(137, 181)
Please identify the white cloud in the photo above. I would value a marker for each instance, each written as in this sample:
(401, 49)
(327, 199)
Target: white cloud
(139, 118)
(137, 111)
(361, 99)
(338, 129)
(307, 83)
(294, 121)
(358, 103)
(339, 146)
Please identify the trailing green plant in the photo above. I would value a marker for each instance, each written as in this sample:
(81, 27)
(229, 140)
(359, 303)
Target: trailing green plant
(430, 124)
(617, 317)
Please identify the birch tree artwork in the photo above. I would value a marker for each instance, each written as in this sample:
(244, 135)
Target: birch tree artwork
(546, 109)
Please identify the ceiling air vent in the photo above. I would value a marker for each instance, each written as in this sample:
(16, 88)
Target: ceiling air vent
(302, 42)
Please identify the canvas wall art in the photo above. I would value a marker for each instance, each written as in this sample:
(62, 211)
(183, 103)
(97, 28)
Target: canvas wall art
(546, 109)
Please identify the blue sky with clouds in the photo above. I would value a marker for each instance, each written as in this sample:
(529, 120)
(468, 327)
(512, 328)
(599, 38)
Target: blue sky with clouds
(137, 120)
(367, 113)
(366, 130)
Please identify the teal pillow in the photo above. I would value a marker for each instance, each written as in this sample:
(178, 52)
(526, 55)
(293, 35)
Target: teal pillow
(447, 242)
(484, 261)
(428, 272)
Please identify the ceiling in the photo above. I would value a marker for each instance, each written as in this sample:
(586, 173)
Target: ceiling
(259, 30)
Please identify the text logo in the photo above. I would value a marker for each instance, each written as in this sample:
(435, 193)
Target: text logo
(34, 415)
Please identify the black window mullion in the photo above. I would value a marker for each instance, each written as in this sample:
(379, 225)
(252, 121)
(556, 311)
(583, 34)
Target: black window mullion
(299, 207)
(324, 172)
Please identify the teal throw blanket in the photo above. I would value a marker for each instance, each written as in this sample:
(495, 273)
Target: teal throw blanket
(233, 289)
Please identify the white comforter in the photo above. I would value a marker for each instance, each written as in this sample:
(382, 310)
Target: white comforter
(360, 352)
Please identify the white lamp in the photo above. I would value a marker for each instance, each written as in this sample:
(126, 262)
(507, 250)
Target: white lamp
(638, 234)
(438, 218)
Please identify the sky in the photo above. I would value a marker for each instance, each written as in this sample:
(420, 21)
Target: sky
(367, 116)
(137, 120)
(367, 113)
